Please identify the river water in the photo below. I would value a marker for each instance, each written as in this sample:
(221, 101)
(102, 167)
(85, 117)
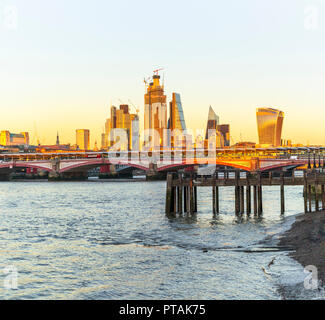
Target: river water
(112, 240)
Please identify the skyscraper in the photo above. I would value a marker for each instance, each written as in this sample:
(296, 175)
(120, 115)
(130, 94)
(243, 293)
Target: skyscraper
(121, 124)
(269, 126)
(224, 129)
(155, 113)
(212, 123)
(176, 122)
(82, 139)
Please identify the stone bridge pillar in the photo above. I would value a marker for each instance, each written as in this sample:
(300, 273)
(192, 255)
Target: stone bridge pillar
(107, 172)
(255, 164)
(55, 173)
(154, 174)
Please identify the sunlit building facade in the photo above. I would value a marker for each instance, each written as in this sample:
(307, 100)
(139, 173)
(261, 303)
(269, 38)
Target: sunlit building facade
(121, 130)
(213, 138)
(212, 123)
(224, 130)
(83, 139)
(269, 125)
(155, 114)
(14, 139)
(176, 122)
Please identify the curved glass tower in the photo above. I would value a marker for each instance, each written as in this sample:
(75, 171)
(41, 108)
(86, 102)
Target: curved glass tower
(269, 126)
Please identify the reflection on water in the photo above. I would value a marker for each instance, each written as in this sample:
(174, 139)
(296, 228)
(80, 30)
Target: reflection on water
(95, 240)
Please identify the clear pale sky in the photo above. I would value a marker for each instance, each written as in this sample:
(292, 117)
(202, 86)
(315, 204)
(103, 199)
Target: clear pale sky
(64, 62)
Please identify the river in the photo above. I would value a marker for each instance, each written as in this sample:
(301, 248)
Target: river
(112, 240)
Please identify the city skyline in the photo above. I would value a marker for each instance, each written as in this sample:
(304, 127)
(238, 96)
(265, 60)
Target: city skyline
(62, 82)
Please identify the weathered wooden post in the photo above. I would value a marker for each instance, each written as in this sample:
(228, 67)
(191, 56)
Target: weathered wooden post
(185, 198)
(255, 199)
(180, 192)
(217, 193)
(282, 193)
(248, 199)
(259, 193)
(174, 193)
(237, 193)
(316, 194)
(305, 193)
(214, 209)
(195, 199)
(168, 208)
(188, 197)
(309, 198)
(191, 196)
(242, 200)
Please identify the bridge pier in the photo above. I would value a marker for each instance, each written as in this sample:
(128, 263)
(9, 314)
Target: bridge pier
(5, 177)
(153, 174)
(68, 176)
(107, 172)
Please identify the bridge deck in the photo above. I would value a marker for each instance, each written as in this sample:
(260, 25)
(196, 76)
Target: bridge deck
(275, 181)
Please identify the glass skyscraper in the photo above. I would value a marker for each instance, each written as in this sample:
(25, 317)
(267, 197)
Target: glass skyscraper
(176, 122)
(269, 125)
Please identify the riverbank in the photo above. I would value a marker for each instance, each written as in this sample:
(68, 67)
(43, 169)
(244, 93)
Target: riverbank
(307, 239)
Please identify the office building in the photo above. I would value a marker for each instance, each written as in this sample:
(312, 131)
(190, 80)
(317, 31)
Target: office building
(155, 114)
(269, 125)
(121, 125)
(212, 123)
(176, 122)
(83, 139)
(14, 139)
(224, 129)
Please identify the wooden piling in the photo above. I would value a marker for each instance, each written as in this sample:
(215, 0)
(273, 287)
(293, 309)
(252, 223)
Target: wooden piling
(217, 199)
(188, 197)
(242, 200)
(214, 209)
(180, 200)
(316, 197)
(323, 196)
(259, 195)
(195, 199)
(309, 198)
(248, 199)
(168, 208)
(185, 198)
(282, 193)
(255, 199)
(191, 197)
(305, 193)
(237, 193)
(174, 192)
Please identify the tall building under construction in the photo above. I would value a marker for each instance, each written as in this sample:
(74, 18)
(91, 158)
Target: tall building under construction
(155, 114)
(269, 126)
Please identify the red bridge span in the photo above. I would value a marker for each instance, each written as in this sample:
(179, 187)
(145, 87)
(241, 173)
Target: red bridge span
(61, 166)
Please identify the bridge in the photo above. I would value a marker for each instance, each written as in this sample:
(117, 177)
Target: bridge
(78, 163)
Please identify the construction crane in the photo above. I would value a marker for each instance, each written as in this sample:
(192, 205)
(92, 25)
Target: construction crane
(146, 80)
(135, 108)
(156, 71)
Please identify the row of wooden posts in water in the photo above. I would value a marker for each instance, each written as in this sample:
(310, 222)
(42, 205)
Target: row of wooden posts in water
(181, 191)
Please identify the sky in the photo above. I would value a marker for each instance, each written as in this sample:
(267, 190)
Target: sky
(62, 63)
